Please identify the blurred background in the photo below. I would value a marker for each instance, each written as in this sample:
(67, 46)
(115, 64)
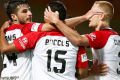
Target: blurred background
(74, 8)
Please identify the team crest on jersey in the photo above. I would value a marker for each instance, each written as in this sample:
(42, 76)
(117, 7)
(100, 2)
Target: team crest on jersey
(92, 36)
(23, 42)
(84, 57)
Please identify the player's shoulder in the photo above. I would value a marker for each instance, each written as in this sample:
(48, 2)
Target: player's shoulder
(106, 31)
(14, 26)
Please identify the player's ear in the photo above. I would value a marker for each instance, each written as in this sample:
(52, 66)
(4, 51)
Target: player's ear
(102, 16)
(14, 17)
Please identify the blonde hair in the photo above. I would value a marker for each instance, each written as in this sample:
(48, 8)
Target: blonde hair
(107, 9)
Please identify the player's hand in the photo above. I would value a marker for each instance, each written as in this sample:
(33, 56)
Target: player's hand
(91, 13)
(99, 69)
(6, 25)
(51, 17)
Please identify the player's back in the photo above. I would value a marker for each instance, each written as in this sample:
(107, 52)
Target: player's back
(54, 58)
(16, 66)
(110, 55)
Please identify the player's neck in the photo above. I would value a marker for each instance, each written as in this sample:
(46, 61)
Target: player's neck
(102, 25)
(15, 22)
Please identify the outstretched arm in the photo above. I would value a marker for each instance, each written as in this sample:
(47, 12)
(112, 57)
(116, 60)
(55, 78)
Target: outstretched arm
(96, 69)
(71, 34)
(5, 46)
(74, 21)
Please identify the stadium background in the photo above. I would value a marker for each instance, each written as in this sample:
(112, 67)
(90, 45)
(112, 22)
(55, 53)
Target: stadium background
(74, 8)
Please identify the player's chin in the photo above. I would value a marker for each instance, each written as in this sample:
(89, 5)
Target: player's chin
(28, 21)
(90, 25)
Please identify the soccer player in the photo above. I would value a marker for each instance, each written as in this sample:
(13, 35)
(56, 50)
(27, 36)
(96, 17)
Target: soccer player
(27, 29)
(58, 41)
(104, 41)
(18, 66)
(59, 55)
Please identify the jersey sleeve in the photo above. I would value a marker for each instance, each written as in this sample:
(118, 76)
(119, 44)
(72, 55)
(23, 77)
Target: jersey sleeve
(82, 60)
(32, 27)
(27, 41)
(37, 27)
(96, 39)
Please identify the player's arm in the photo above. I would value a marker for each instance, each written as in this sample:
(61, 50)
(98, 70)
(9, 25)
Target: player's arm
(83, 69)
(82, 63)
(39, 27)
(101, 69)
(74, 21)
(72, 35)
(5, 47)
(98, 69)
(71, 22)
(20, 44)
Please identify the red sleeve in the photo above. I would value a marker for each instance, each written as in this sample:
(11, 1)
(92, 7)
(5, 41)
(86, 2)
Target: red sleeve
(27, 28)
(97, 39)
(40, 27)
(37, 27)
(82, 60)
(32, 27)
(27, 41)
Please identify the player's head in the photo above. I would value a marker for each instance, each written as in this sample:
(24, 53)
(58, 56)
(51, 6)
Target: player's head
(60, 7)
(106, 9)
(19, 11)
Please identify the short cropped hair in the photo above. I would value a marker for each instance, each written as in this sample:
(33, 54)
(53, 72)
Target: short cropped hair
(60, 7)
(106, 7)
